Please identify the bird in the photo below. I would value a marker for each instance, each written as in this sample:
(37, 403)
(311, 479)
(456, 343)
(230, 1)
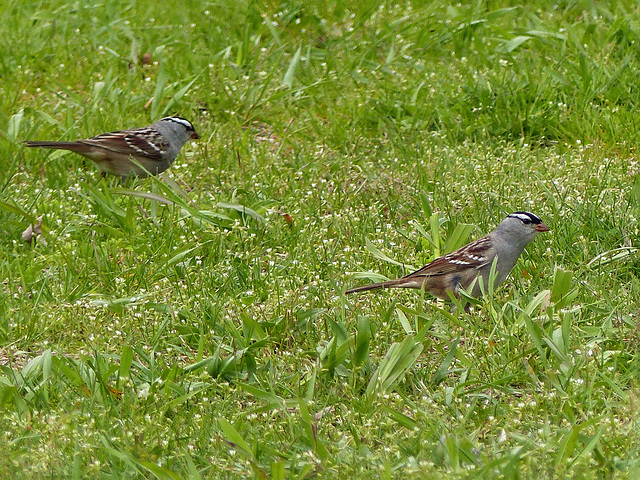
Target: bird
(461, 269)
(135, 152)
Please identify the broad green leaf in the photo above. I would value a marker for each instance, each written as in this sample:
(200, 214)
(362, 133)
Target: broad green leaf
(611, 256)
(561, 284)
(242, 209)
(271, 399)
(126, 360)
(396, 363)
(291, 71)
(363, 337)
(512, 44)
(14, 125)
(404, 321)
(178, 257)
(158, 93)
(145, 195)
(400, 418)
(373, 250)
(232, 436)
(9, 208)
(442, 371)
(168, 109)
(434, 223)
(458, 237)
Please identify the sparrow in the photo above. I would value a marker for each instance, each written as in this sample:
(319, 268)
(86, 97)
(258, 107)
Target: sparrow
(466, 266)
(135, 152)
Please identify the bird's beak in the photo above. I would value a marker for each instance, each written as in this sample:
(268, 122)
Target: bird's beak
(195, 135)
(541, 227)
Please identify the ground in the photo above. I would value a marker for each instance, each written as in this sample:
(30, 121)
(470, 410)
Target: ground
(193, 325)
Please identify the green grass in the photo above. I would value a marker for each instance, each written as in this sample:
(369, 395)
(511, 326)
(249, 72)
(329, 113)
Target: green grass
(193, 325)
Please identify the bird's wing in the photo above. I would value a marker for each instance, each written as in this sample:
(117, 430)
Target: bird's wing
(472, 256)
(143, 142)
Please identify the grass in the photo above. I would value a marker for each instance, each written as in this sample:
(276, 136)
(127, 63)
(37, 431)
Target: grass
(193, 325)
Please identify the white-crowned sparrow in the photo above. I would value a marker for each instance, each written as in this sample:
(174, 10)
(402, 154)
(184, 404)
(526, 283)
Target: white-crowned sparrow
(459, 269)
(121, 153)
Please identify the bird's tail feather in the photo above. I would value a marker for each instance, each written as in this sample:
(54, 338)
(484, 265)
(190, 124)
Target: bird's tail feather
(59, 145)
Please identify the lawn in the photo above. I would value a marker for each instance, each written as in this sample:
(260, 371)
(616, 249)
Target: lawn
(193, 325)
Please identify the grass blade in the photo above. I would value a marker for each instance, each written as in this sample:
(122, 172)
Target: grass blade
(287, 81)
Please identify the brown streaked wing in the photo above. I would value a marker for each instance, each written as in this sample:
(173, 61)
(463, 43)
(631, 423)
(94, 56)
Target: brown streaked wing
(443, 265)
(131, 142)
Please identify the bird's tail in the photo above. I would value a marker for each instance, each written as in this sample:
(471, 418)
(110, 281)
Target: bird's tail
(58, 145)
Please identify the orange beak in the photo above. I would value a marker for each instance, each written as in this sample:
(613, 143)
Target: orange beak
(195, 135)
(541, 227)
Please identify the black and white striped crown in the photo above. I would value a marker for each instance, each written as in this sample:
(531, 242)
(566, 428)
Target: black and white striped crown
(182, 121)
(526, 218)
